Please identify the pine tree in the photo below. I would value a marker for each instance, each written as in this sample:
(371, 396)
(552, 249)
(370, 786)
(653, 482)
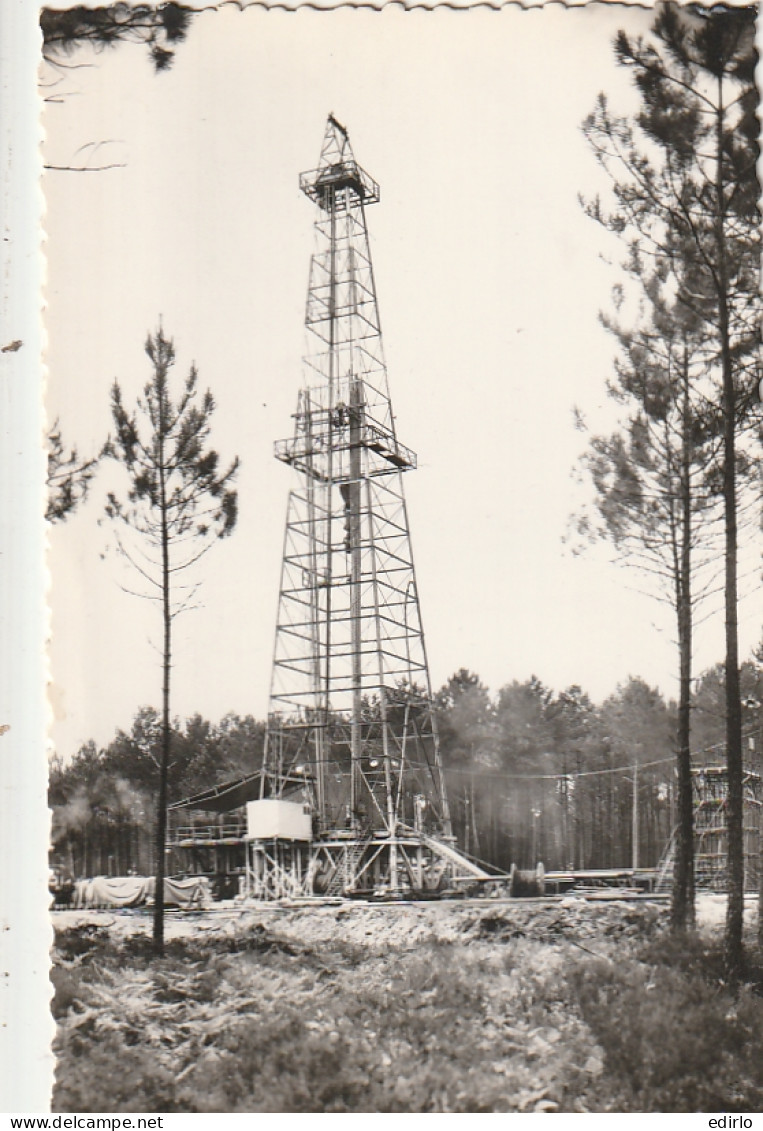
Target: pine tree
(68, 477)
(683, 174)
(160, 27)
(177, 505)
(653, 505)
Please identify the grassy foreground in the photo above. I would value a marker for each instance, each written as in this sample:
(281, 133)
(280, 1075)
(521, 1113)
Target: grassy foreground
(497, 1009)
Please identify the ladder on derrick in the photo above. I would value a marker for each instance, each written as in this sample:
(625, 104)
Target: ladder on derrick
(665, 866)
(343, 877)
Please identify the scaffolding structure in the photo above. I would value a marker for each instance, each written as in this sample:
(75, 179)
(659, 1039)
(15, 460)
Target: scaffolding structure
(711, 790)
(711, 830)
(352, 737)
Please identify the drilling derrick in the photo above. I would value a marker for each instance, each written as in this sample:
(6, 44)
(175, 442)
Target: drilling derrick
(352, 792)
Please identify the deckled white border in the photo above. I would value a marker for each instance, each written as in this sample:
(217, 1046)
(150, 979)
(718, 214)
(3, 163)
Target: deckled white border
(25, 1060)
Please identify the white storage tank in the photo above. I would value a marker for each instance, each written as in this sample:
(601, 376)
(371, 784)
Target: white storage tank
(271, 819)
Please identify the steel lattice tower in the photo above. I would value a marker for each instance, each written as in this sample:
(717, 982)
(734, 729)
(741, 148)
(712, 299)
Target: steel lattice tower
(351, 730)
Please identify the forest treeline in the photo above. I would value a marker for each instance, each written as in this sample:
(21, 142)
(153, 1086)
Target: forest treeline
(532, 774)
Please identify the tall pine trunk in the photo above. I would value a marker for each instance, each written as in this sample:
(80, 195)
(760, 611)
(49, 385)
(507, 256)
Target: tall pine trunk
(735, 866)
(682, 906)
(161, 814)
(735, 847)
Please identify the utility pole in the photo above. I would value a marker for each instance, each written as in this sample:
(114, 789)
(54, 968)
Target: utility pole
(565, 788)
(534, 858)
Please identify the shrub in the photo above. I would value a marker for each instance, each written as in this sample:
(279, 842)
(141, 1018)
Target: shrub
(67, 985)
(673, 1041)
(110, 1075)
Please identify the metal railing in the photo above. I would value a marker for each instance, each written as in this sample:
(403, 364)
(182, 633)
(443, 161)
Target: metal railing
(230, 830)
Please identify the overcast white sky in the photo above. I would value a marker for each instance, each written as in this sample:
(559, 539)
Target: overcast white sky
(489, 280)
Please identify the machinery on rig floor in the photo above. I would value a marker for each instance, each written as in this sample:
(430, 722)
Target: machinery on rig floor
(351, 792)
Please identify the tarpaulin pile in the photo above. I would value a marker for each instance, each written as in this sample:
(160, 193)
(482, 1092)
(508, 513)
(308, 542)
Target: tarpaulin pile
(134, 891)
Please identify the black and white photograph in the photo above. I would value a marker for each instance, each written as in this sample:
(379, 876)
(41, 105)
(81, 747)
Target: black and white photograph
(402, 450)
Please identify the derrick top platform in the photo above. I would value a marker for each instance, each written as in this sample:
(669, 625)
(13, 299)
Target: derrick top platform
(321, 185)
(338, 170)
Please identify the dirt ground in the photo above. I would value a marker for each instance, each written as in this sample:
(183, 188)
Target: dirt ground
(375, 926)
